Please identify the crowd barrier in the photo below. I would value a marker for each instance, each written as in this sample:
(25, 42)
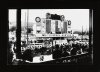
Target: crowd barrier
(76, 59)
(69, 60)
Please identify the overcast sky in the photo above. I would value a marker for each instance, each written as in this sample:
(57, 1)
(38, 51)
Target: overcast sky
(12, 15)
(78, 17)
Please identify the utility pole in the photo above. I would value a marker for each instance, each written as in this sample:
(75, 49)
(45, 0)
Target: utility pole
(27, 25)
(82, 33)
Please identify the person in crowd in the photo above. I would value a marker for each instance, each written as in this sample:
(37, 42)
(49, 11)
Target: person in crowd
(41, 58)
(73, 45)
(61, 48)
(65, 53)
(77, 47)
(67, 47)
(33, 53)
(73, 51)
(36, 50)
(42, 50)
(27, 55)
(82, 47)
(85, 47)
(53, 49)
(57, 52)
(9, 53)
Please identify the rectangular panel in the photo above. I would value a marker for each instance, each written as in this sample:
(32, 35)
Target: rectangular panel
(56, 26)
(48, 26)
(53, 26)
(43, 26)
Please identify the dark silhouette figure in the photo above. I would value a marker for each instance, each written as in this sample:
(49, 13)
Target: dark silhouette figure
(73, 51)
(65, 53)
(27, 55)
(42, 50)
(57, 52)
(9, 54)
(41, 58)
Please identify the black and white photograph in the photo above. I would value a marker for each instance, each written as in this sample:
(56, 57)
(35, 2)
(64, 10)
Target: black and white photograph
(50, 36)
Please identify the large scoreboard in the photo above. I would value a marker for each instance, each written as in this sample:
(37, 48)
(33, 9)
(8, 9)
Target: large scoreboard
(52, 24)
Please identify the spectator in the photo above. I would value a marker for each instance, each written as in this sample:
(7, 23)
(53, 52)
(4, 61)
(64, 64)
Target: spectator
(65, 53)
(61, 48)
(85, 47)
(56, 53)
(82, 47)
(27, 55)
(9, 54)
(77, 46)
(73, 51)
(42, 50)
(36, 50)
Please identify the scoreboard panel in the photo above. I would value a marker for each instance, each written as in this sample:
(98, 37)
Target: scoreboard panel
(52, 24)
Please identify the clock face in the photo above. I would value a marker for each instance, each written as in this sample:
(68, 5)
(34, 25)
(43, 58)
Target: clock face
(37, 19)
(62, 17)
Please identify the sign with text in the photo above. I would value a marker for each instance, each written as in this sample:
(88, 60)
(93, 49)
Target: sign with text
(53, 35)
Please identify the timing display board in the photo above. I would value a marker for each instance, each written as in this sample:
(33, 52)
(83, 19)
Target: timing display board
(49, 26)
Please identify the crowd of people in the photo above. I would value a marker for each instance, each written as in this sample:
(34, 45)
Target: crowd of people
(58, 51)
(69, 49)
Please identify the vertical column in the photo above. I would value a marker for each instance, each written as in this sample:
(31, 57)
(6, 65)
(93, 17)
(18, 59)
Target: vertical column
(56, 25)
(62, 27)
(18, 34)
(90, 27)
(53, 26)
(43, 25)
(48, 26)
(91, 32)
(65, 27)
